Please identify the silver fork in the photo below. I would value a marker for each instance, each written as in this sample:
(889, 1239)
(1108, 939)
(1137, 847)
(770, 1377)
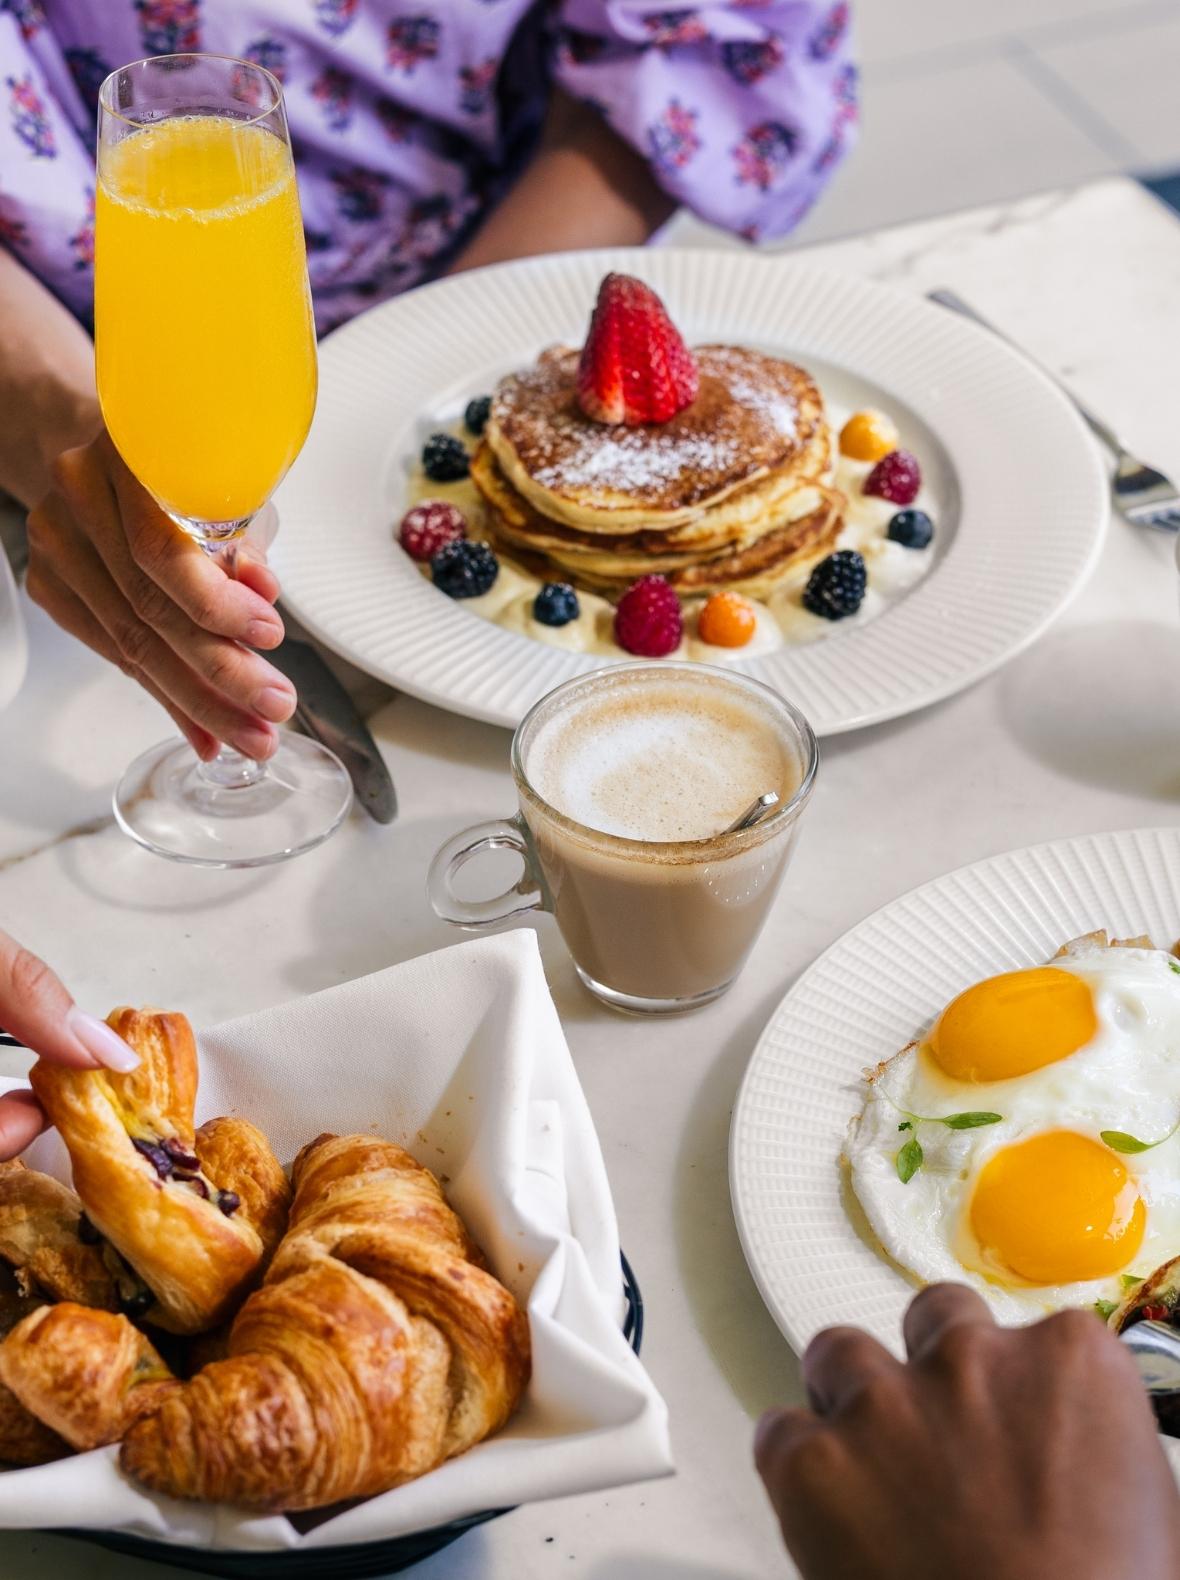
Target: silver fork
(1145, 496)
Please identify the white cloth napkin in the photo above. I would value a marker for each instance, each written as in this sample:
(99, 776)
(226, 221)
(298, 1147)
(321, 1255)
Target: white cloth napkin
(460, 1058)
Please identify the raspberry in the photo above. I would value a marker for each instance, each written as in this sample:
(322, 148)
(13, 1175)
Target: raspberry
(867, 436)
(463, 569)
(836, 586)
(648, 621)
(727, 620)
(556, 604)
(444, 458)
(430, 526)
(896, 477)
(475, 418)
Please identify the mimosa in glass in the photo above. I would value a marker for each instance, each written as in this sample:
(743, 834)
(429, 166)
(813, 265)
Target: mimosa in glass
(206, 368)
(205, 346)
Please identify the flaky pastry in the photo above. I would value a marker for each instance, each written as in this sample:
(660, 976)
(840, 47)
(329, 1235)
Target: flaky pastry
(23, 1439)
(42, 1235)
(195, 1212)
(85, 1374)
(377, 1347)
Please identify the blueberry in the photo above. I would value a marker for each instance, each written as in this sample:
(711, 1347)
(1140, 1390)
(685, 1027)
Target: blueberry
(556, 604)
(836, 586)
(913, 529)
(444, 458)
(475, 418)
(229, 1201)
(464, 569)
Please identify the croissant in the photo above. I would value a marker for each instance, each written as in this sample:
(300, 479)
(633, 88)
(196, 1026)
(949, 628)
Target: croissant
(85, 1374)
(195, 1213)
(41, 1235)
(377, 1347)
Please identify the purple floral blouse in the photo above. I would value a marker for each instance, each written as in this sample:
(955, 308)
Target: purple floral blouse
(410, 118)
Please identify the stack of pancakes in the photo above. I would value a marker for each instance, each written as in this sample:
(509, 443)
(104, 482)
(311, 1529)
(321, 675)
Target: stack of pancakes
(730, 494)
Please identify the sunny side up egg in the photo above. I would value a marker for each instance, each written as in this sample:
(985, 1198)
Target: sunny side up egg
(1032, 1207)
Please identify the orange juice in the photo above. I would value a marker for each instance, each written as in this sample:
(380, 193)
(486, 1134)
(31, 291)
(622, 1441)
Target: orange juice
(204, 340)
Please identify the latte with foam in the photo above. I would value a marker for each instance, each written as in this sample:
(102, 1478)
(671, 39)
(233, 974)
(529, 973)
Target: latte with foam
(627, 780)
(661, 759)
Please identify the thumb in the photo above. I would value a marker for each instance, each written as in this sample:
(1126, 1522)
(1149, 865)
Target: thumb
(21, 1122)
(37, 1010)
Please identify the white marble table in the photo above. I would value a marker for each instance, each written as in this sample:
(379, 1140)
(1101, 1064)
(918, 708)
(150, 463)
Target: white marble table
(1081, 733)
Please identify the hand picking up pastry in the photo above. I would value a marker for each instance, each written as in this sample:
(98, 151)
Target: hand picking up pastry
(242, 1346)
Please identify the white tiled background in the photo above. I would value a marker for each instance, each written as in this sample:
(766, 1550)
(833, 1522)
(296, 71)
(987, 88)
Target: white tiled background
(978, 101)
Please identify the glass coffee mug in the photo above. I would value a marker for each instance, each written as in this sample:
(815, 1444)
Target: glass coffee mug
(628, 779)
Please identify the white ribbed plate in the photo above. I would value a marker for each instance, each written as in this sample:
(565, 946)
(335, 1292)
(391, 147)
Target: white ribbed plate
(866, 997)
(1019, 484)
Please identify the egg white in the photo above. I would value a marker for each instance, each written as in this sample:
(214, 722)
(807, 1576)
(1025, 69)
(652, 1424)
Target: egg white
(1127, 1077)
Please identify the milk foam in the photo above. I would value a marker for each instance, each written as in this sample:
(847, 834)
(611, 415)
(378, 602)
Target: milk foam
(659, 761)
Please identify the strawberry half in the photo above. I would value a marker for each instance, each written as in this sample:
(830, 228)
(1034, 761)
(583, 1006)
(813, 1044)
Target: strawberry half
(635, 368)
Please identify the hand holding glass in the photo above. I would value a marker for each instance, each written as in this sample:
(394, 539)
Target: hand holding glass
(206, 364)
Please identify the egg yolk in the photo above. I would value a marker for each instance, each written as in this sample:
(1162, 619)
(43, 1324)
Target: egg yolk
(1012, 1024)
(1056, 1209)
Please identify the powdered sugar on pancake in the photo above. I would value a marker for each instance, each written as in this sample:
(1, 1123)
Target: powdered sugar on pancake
(781, 411)
(752, 415)
(636, 462)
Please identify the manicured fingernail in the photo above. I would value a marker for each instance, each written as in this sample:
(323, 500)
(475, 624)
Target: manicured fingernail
(101, 1043)
(255, 743)
(276, 703)
(263, 633)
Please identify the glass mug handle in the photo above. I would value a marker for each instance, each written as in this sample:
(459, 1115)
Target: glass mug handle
(496, 834)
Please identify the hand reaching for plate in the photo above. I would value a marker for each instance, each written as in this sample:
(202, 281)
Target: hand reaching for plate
(997, 1452)
(39, 1012)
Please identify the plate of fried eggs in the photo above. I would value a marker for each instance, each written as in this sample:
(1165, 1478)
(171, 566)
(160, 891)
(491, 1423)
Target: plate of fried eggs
(980, 1082)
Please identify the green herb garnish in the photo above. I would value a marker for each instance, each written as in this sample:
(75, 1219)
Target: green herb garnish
(1106, 1308)
(1129, 1280)
(1174, 965)
(1120, 1141)
(909, 1160)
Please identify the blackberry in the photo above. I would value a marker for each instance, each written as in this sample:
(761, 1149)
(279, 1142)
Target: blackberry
(444, 458)
(475, 418)
(836, 585)
(556, 604)
(913, 529)
(464, 569)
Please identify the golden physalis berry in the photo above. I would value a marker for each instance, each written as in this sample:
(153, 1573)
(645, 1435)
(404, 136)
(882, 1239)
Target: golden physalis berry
(727, 620)
(867, 436)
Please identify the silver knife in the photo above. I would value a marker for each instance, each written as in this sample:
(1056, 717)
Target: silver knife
(327, 713)
(1155, 1349)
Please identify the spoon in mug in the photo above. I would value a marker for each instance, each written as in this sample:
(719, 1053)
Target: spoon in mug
(754, 813)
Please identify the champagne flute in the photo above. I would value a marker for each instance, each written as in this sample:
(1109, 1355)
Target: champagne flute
(206, 367)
